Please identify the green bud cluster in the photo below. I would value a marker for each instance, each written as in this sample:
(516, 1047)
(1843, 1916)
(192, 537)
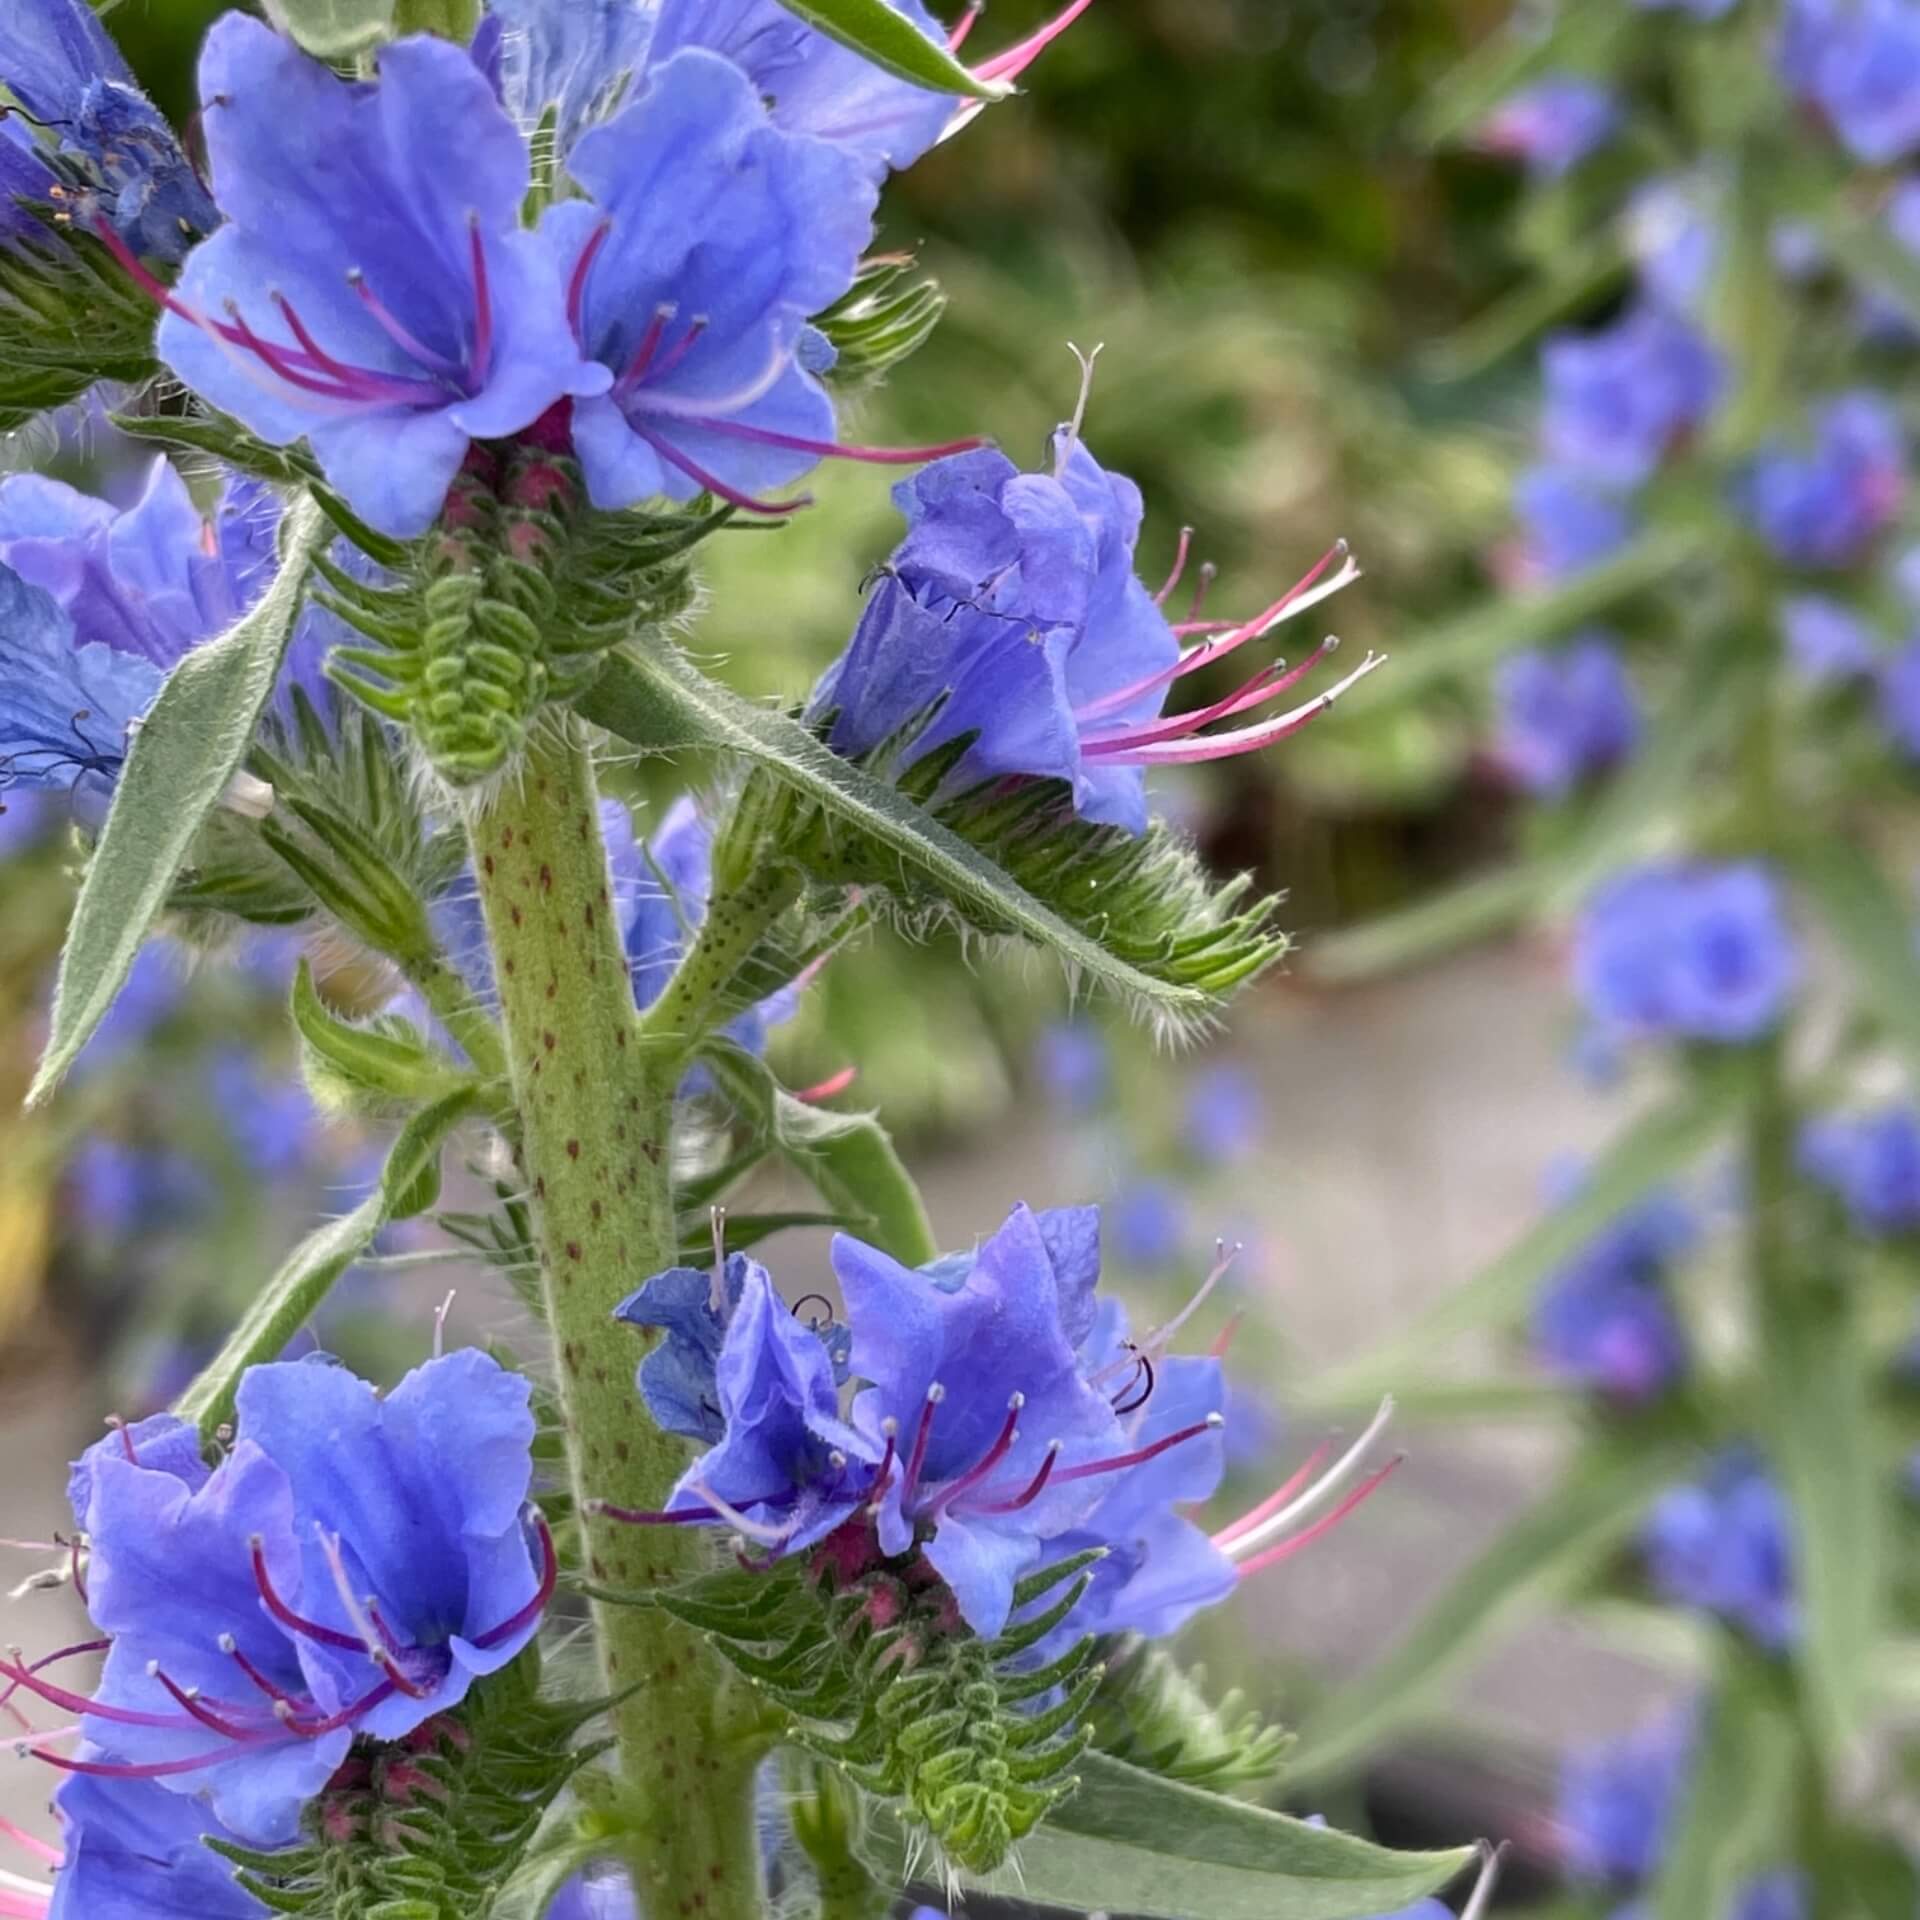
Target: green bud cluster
(888, 314)
(512, 602)
(429, 1828)
(878, 1675)
(1153, 1712)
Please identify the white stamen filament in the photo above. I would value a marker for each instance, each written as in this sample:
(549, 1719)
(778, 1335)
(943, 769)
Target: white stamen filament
(1481, 1902)
(1071, 438)
(356, 1615)
(1316, 1496)
(698, 407)
(440, 1323)
(741, 1524)
(1348, 573)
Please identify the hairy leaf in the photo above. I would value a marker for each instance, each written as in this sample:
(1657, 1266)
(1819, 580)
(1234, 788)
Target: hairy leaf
(889, 39)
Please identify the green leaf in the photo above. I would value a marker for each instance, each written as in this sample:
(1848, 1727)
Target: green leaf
(1130, 1842)
(1736, 1812)
(389, 1063)
(889, 39)
(1472, 643)
(1657, 1147)
(1577, 37)
(1821, 1376)
(658, 701)
(1573, 284)
(409, 1183)
(848, 1157)
(179, 762)
(1873, 928)
(1549, 1551)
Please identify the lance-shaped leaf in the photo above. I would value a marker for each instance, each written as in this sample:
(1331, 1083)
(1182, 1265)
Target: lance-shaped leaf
(658, 701)
(889, 39)
(847, 1157)
(372, 1067)
(409, 1183)
(179, 763)
(1131, 1842)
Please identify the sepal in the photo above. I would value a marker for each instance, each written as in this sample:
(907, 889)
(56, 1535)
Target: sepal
(875, 1673)
(1154, 1713)
(69, 318)
(431, 1827)
(512, 602)
(381, 1069)
(885, 317)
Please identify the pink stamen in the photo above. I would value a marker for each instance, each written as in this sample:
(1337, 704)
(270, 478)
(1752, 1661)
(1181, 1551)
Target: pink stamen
(1209, 573)
(279, 1695)
(129, 263)
(718, 488)
(577, 280)
(1018, 58)
(126, 1439)
(1141, 1455)
(314, 1729)
(1292, 601)
(683, 346)
(23, 1839)
(1179, 566)
(1002, 1446)
(315, 352)
(394, 328)
(1269, 684)
(642, 357)
(70, 1702)
(832, 449)
(826, 1089)
(482, 303)
(918, 1458)
(1222, 746)
(1275, 1500)
(1034, 1487)
(130, 1770)
(326, 1636)
(964, 26)
(883, 1474)
(211, 1721)
(280, 362)
(1272, 1556)
(549, 1579)
(1224, 1339)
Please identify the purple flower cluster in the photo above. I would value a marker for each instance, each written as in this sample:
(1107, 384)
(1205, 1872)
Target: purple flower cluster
(1565, 716)
(725, 162)
(1872, 1162)
(1553, 125)
(1687, 952)
(349, 1568)
(1605, 1319)
(1010, 619)
(1857, 63)
(98, 603)
(1001, 1418)
(1823, 507)
(80, 142)
(1725, 1546)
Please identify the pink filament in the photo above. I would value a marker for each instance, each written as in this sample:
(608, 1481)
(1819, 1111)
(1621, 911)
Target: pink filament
(1222, 746)
(1140, 1455)
(1275, 1500)
(326, 1636)
(549, 1579)
(918, 1458)
(826, 1089)
(964, 26)
(1033, 1489)
(1179, 567)
(1286, 1549)
(24, 1840)
(832, 449)
(1268, 684)
(1018, 58)
(577, 280)
(1002, 1446)
(482, 303)
(719, 488)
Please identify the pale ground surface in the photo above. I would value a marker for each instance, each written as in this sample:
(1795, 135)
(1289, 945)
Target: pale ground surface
(1411, 1126)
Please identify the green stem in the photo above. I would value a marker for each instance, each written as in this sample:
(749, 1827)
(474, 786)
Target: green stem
(738, 919)
(451, 1002)
(595, 1107)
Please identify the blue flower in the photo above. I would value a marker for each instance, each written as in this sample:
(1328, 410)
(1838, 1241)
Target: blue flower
(1566, 523)
(1147, 1223)
(710, 239)
(1700, 9)
(679, 1379)
(134, 1850)
(1872, 1161)
(595, 1897)
(116, 1188)
(1072, 1060)
(1565, 716)
(1725, 1546)
(1224, 1114)
(271, 1118)
(1553, 125)
(96, 604)
(1617, 1800)
(1010, 615)
(573, 58)
(1160, 1568)
(1695, 952)
(1860, 66)
(1776, 1896)
(82, 133)
(1604, 1318)
(813, 84)
(389, 310)
(1823, 507)
(349, 1569)
(1826, 640)
(1620, 399)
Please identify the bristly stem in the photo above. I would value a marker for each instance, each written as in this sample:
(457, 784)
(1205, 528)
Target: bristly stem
(595, 1109)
